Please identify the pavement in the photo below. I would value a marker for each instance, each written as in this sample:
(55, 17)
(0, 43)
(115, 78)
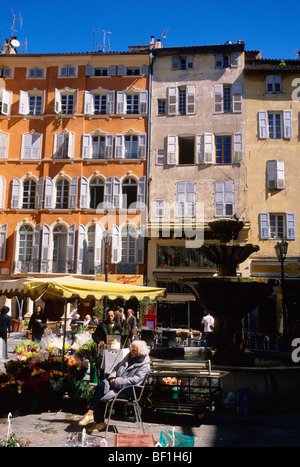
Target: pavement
(218, 429)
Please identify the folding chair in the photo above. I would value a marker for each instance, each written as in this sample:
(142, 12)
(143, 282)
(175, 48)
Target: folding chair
(134, 400)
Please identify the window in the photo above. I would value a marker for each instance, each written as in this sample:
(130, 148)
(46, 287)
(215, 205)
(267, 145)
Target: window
(62, 194)
(227, 98)
(175, 256)
(6, 72)
(159, 207)
(3, 236)
(128, 236)
(112, 191)
(223, 149)
(99, 102)
(67, 70)
(97, 146)
(132, 103)
(181, 100)
(183, 62)
(96, 192)
(59, 254)
(275, 125)
(31, 103)
(185, 199)
(161, 106)
(100, 71)
(273, 84)
(132, 71)
(224, 198)
(3, 145)
(186, 151)
(27, 249)
(65, 101)
(131, 146)
(36, 72)
(31, 146)
(129, 192)
(63, 145)
(25, 243)
(227, 60)
(29, 192)
(275, 175)
(277, 226)
(5, 102)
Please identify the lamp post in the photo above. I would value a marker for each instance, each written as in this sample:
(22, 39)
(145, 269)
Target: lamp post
(281, 249)
(107, 241)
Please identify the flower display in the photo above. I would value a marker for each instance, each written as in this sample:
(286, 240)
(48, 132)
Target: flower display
(172, 381)
(27, 349)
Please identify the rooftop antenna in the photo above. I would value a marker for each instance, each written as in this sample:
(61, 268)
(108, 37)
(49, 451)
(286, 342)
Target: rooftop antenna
(13, 30)
(104, 38)
(97, 44)
(164, 34)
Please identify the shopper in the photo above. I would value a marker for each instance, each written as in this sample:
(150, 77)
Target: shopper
(38, 324)
(208, 322)
(5, 322)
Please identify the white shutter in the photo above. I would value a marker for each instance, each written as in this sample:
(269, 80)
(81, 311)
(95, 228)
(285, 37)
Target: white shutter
(264, 225)
(39, 193)
(115, 245)
(71, 248)
(73, 193)
(81, 249)
(190, 100)
(2, 193)
(120, 102)
(48, 193)
(228, 198)
(208, 143)
(199, 149)
(237, 92)
(218, 99)
(108, 190)
(24, 103)
(3, 236)
(172, 100)
(143, 102)
(3, 145)
(287, 124)
(6, 102)
(86, 144)
(98, 245)
(159, 156)
(110, 106)
(84, 186)
(234, 59)
(122, 70)
(219, 198)
(70, 144)
(238, 148)
(262, 124)
(141, 192)
(290, 226)
(119, 146)
(109, 142)
(172, 149)
(190, 208)
(27, 145)
(57, 101)
(140, 245)
(88, 107)
(36, 247)
(276, 175)
(46, 254)
(16, 189)
(180, 198)
(116, 192)
(142, 145)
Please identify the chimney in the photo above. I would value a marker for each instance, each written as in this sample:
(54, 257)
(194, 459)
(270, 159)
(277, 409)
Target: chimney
(152, 42)
(8, 48)
(158, 44)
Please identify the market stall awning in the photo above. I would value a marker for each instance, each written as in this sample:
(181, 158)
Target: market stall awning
(69, 287)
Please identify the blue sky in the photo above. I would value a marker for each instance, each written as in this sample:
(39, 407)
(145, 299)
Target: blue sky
(67, 26)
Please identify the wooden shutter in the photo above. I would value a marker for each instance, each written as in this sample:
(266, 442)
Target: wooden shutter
(3, 236)
(6, 102)
(86, 145)
(264, 225)
(48, 193)
(175, 62)
(108, 191)
(190, 207)
(89, 70)
(116, 192)
(119, 146)
(144, 70)
(110, 105)
(224, 198)
(238, 148)
(275, 175)
(140, 244)
(109, 141)
(16, 189)
(73, 193)
(36, 248)
(3, 145)
(218, 99)
(71, 249)
(46, 254)
(190, 100)
(199, 149)
(121, 102)
(172, 100)
(180, 198)
(70, 144)
(122, 70)
(39, 193)
(142, 145)
(234, 58)
(237, 93)
(81, 249)
(57, 101)
(84, 187)
(219, 61)
(115, 245)
(98, 245)
(141, 192)
(111, 71)
(263, 124)
(143, 102)
(290, 226)
(2, 193)
(159, 156)
(172, 149)
(88, 106)
(24, 103)
(208, 143)
(287, 124)
(190, 62)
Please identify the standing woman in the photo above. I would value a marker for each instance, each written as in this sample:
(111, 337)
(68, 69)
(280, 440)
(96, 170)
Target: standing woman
(38, 323)
(4, 330)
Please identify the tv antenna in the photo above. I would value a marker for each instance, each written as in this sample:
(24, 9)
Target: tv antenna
(104, 39)
(97, 43)
(164, 34)
(13, 30)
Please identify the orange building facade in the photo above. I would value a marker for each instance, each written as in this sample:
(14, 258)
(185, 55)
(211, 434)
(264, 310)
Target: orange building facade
(73, 162)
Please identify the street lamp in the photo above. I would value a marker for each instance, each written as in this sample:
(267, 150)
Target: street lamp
(107, 241)
(281, 249)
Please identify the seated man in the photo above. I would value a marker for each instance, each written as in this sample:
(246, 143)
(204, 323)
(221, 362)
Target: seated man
(131, 370)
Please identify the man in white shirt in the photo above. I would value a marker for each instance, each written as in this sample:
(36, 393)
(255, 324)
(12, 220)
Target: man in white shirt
(208, 322)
